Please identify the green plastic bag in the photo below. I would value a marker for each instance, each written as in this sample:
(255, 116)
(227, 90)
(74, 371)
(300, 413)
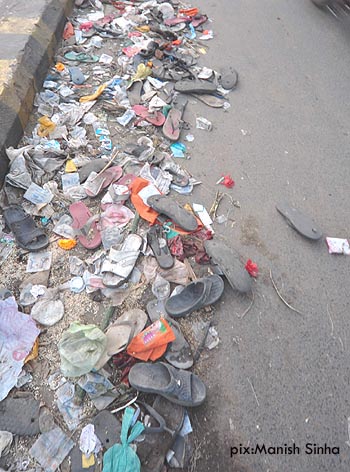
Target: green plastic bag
(80, 348)
(121, 457)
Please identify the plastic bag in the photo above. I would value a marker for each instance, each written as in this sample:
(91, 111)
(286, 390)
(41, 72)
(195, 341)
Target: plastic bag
(121, 457)
(80, 348)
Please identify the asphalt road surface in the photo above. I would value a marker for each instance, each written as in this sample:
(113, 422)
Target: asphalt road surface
(279, 377)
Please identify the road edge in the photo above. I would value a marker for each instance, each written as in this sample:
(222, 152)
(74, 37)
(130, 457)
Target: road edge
(27, 75)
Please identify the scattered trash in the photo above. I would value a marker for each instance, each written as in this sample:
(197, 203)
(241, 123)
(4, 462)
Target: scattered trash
(252, 268)
(178, 150)
(51, 448)
(338, 246)
(80, 348)
(18, 333)
(97, 182)
(203, 123)
(226, 180)
(39, 261)
(6, 439)
(122, 456)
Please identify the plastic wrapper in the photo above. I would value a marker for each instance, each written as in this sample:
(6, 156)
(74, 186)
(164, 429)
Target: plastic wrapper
(80, 348)
(51, 448)
(18, 333)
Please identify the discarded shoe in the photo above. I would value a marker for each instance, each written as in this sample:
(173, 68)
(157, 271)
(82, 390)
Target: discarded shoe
(299, 221)
(158, 244)
(194, 296)
(28, 235)
(177, 386)
(85, 225)
(170, 208)
(229, 262)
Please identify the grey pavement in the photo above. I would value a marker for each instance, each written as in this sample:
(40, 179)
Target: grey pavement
(278, 377)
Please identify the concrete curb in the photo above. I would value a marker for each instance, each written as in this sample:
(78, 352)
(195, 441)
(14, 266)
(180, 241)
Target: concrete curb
(27, 75)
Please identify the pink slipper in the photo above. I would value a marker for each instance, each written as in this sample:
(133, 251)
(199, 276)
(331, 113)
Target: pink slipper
(156, 118)
(85, 225)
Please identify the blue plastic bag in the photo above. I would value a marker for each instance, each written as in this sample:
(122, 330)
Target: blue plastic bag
(121, 457)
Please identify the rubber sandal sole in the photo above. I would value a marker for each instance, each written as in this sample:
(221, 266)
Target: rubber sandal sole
(28, 236)
(195, 86)
(160, 248)
(190, 299)
(107, 428)
(303, 224)
(229, 262)
(152, 451)
(81, 214)
(157, 377)
(170, 208)
(229, 78)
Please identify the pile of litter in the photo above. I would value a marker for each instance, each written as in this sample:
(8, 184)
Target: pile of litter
(91, 204)
(96, 228)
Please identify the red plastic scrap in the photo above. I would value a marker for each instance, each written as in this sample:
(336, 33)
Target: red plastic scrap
(252, 268)
(189, 11)
(228, 181)
(86, 26)
(68, 31)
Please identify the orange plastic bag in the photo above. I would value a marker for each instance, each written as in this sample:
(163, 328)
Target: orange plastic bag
(189, 11)
(152, 342)
(144, 211)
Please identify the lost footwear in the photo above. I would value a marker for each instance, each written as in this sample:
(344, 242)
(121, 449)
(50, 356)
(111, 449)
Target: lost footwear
(85, 225)
(153, 449)
(178, 386)
(300, 222)
(171, 127)
(121, 332)
(107, 428)
(28, 235)
(195, 86)
(158, 244)
(170, 208)
(229, 262)
(229, 78)
(156, 118)
(117, 268)
(179, 353)
(194, 296)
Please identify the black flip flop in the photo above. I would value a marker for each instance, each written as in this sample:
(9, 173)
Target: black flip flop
(178, 386)
(152, 451)
(169, 207)
(195, 86)
(107, 428)
(298, 221)
(229, 78)
(229, 262)
(195, 295)
(28, 235)
(158, 244)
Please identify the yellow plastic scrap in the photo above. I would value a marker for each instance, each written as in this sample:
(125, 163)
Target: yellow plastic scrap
(87, 461)
(143, 28)
(67, 244)
(46, 126)
(59, 67)
(142, 72)
(70, 166)
(96, 94)
(34, 352)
